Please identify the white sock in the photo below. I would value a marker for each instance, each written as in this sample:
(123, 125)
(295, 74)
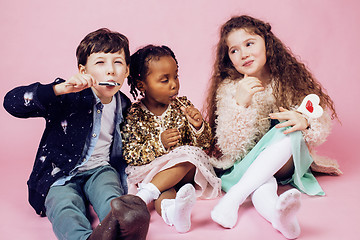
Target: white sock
(177, 211)
(168, 211)
(280, 211)
(148, 192)
(225, 212)
(285, 219)
(261, 170)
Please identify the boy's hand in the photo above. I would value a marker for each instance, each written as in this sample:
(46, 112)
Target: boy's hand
(170, 137)
(76, 83)
(291, 118)
(194, 116)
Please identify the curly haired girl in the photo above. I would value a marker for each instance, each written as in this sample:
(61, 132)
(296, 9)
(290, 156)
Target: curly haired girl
(256, 87)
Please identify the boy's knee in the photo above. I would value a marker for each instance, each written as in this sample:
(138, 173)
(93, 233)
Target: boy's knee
(57, 204)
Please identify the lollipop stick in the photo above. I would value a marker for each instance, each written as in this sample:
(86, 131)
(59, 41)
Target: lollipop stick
(181, 102)
(109, 84)
(264, 119)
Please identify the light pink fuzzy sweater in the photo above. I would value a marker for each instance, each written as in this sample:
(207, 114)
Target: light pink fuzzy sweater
(239, 128)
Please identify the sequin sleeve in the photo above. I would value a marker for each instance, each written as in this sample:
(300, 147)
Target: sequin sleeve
(141, 143)
(204, 138)
(201, 138)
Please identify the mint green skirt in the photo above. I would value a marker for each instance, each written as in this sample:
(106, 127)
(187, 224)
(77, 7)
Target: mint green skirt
(302, 178)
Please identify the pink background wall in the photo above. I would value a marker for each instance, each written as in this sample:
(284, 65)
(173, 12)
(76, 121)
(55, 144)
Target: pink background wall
(38, 41)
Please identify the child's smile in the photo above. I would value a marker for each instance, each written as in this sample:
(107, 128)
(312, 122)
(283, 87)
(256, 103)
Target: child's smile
(247, 52)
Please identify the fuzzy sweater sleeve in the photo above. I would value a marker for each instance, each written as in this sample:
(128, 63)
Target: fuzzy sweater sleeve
(319, 129)
(236, 127)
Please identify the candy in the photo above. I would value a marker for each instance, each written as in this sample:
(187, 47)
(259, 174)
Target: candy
(310, 106)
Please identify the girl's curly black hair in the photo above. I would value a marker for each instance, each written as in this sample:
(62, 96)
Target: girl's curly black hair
(139, 67)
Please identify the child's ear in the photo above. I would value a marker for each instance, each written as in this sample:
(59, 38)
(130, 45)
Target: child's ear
(127, 71)
(82, 69)
(140, 86)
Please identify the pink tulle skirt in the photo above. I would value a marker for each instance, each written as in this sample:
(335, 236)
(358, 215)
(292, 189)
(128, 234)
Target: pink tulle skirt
(207, 184)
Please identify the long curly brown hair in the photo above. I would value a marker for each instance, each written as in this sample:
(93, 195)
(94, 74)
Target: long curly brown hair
(291, 80)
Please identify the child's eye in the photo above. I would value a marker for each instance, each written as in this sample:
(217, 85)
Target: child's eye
(118, 62)
(233, 51)
(249, 44)
(99, 62)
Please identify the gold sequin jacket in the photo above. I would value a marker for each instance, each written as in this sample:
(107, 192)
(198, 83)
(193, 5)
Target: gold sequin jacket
(142, 129)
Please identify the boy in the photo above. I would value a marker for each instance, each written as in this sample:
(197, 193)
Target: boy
(79, 158)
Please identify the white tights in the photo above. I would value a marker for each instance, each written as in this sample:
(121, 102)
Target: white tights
(258, 180)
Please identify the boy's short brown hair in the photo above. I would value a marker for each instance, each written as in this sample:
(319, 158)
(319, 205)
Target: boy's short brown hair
(102, 40)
